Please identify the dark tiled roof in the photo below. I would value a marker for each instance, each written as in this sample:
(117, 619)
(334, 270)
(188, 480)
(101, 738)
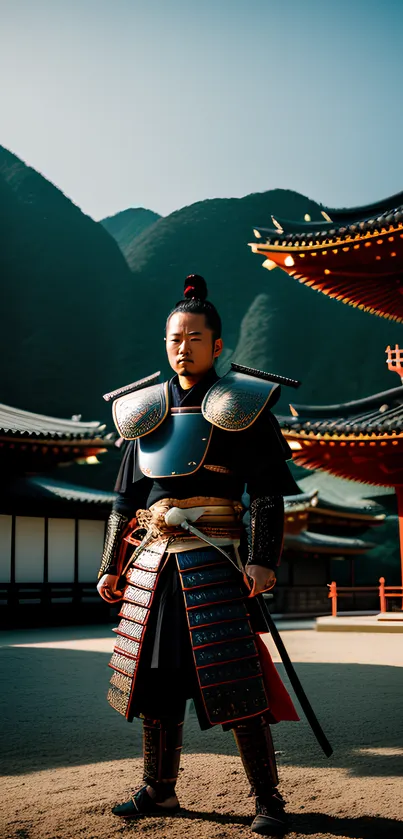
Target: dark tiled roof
(350, 495)
(327, 494)
(322, 543)
(376, 415)
(342, 497)
(344, 223)
(367, 210)
(14, 421)
(41, 488)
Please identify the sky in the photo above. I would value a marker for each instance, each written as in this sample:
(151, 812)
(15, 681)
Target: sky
(161, 103)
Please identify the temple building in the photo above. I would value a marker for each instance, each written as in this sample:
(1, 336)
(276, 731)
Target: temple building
(51, 533)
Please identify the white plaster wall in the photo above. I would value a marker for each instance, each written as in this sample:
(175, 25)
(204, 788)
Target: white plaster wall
(90, 546)
(5, 548)
(61, 550)
(29, 549)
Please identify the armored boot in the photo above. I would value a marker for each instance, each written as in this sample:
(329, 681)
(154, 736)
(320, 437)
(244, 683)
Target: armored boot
(162, 751)
(255, 744)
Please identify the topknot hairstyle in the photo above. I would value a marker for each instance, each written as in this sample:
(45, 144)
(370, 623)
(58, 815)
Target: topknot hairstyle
(195, 287)
(195, 302)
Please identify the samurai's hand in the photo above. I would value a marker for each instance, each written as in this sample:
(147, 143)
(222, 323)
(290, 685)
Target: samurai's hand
(108, 588)
(262, 579)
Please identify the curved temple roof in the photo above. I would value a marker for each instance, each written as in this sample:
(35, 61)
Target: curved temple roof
(375, 415)
(51, 490)
(355, 256)
(367, 210)
(361, 440)
(321, 543)
(39, 442)
(16, 421)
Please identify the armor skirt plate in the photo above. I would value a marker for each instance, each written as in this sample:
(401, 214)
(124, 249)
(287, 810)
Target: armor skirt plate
(231, 681)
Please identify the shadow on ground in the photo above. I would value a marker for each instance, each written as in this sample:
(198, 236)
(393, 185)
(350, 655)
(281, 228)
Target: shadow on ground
(308, 824)
(54, 713)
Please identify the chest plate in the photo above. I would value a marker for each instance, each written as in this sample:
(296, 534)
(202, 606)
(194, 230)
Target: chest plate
(177, 447)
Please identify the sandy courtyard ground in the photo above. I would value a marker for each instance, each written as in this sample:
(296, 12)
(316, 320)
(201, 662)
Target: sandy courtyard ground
(67, 757)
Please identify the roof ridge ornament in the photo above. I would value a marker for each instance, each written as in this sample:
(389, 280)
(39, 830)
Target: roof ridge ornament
(277, 225)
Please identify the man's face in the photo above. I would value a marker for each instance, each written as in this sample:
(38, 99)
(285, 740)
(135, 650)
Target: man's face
(190, 346)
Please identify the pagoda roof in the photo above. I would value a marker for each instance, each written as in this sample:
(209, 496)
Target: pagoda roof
(393, 398)
(332, 501)
(340, 498)
(379, 211)
(44, 487)
(366, 449)
(364, 211)
(308, 542)
(380, 414)
(354, 255)
(15, 421)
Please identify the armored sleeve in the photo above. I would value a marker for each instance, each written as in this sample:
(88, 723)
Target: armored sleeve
(268, 481)
(266, 530)
(116, 529)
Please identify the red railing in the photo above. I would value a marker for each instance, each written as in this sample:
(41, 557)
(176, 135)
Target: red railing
(388, 591)
(336, 591)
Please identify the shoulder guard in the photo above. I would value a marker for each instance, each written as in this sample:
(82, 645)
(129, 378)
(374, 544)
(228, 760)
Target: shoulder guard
(142, 411)
(235, 401)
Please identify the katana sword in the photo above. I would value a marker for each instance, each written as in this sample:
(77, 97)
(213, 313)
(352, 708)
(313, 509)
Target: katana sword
(177, 516)
(296, 684)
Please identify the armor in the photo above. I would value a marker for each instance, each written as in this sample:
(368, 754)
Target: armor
(255, 745)
(195, 453)
(233, 403)
(114, 534)
(162, 742)
(140, 412)
(177, 447)
(265, 540)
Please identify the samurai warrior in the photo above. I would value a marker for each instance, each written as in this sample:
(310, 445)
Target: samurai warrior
(177, 556)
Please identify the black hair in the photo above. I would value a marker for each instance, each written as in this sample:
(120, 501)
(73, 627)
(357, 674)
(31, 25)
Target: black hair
(195, 302)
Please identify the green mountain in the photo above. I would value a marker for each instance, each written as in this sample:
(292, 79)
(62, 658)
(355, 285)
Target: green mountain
(65, 331)
(125, 226)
